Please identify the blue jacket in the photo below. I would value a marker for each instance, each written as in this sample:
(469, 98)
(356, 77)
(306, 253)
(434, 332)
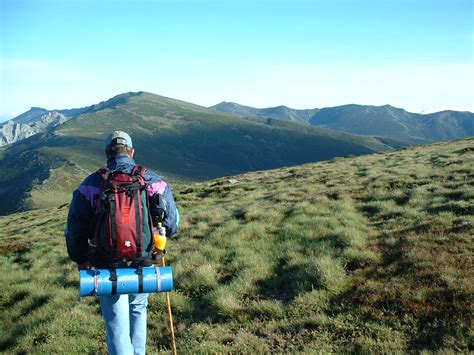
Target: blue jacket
(81, 222)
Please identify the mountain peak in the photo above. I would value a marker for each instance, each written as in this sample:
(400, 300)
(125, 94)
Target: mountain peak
(30, 116)
(117, 100)
(281, 112)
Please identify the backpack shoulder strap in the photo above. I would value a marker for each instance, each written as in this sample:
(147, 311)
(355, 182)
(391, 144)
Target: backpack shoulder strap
(104, 173)
(138, 173)
(139, 170)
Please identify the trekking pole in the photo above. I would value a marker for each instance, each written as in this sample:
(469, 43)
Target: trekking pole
(159, 240)
(170, 315)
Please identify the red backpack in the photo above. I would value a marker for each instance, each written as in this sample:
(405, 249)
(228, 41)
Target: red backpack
(123, 233)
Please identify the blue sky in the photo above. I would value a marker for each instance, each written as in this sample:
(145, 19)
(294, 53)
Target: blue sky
(415, 54)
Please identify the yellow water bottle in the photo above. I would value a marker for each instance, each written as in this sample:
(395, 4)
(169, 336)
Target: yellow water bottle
(159, 238)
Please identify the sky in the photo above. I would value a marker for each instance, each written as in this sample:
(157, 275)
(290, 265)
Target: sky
(413, 54)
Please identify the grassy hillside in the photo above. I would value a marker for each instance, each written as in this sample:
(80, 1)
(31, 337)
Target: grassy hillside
(363, 254)
(182, 141)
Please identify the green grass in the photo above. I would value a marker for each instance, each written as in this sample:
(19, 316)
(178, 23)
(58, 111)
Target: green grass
(57, 188)
(360, 254)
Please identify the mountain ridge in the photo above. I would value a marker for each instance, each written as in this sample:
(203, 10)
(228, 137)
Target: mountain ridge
(223, 104)
(25, 125)
(38, 119)
(289, 113)
(180, 140)
(385, 121)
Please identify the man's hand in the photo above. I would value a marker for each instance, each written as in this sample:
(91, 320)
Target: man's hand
(84, 266)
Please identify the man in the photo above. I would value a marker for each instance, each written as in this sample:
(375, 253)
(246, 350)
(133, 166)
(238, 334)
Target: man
(124, 315)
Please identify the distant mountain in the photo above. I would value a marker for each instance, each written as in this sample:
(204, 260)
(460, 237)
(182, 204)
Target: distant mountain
(107, 104)
(181, 141)
(30, 116)
(279, 112)
(38, 119)
(389, 121)
(30, 123)
(383, 121)
(448, 125)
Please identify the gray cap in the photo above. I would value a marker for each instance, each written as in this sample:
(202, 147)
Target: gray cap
(118, 137)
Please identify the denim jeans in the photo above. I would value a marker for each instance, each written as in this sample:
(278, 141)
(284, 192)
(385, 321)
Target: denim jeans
(125, 323)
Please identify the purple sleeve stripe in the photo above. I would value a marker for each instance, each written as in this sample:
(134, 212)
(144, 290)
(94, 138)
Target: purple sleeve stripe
(89, 192)
(156, 188)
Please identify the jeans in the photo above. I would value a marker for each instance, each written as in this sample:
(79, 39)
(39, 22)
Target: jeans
(125, 323)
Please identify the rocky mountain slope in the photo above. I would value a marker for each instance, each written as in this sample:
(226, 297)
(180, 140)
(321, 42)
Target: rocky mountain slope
(32, 122)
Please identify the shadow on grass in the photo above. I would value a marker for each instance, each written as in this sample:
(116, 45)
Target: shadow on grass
(446, 318)
(452, 207)
(240, 214)
(219, 192)
(289, 282)
(203, 311)
(335, 241)
(63, 281)
(22, 259)
(65, 260)
(371, 210)
(404, 287)
(36, 303)
(228, 273)
(19, 330)
(41, 338)
(7, 302)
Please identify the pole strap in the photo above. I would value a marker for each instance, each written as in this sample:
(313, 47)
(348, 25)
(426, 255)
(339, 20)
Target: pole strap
(113, 278)
(140, 278)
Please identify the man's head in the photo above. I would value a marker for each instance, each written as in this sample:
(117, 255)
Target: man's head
(118, 143)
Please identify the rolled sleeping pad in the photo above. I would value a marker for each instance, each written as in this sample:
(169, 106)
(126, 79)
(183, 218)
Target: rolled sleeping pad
(100, 282)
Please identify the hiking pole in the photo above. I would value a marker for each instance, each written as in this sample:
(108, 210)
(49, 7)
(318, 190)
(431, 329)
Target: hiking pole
(170, 315)
(159, 241)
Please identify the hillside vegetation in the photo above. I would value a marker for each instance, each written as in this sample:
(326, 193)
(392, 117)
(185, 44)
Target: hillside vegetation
(185, 142)
(362, 254)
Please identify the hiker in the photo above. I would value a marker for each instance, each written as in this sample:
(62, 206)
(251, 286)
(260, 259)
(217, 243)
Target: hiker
(87, 233)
